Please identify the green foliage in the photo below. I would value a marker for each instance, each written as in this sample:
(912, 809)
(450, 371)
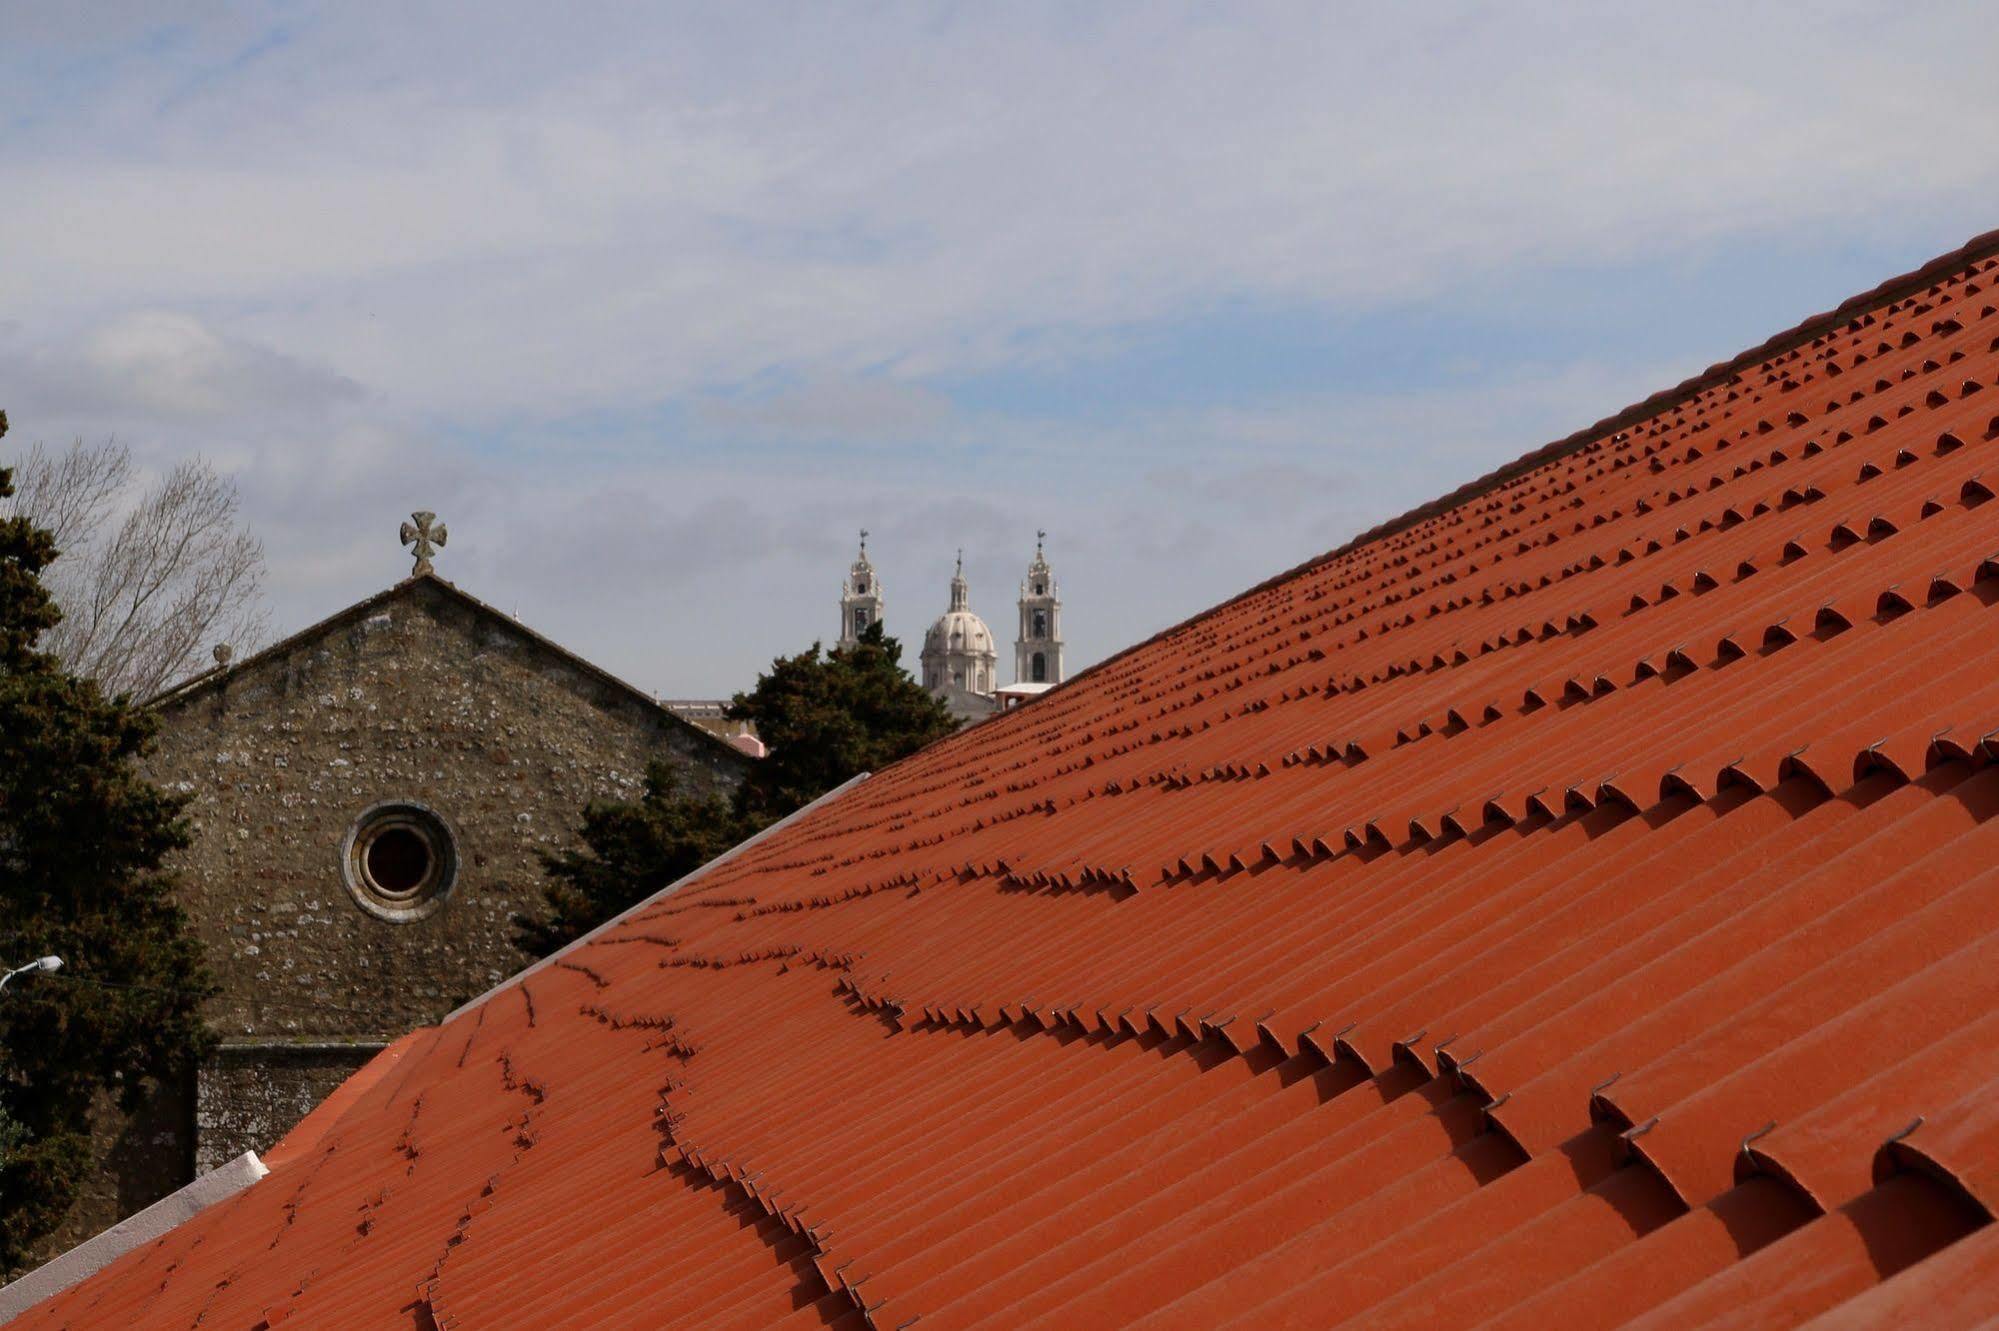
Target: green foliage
(25, 550)
(82, 840)
(629, 852)
(825, 717)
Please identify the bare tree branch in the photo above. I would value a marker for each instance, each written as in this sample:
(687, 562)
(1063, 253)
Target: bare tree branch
(70, 494)
(150, 577)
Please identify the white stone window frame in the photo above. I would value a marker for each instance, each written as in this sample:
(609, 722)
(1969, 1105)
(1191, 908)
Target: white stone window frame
(430, 894)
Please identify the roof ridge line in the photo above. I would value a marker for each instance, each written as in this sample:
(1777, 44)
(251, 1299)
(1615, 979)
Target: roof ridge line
(1981, 246)
(195, 683)
(625, 915)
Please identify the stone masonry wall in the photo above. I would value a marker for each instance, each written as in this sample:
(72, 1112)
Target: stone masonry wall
(424, 699)
(249, 1096)
(421, 697)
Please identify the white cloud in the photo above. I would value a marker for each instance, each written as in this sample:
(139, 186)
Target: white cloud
(650, 205)
(848, 410)
(662, 303)
(160, 364)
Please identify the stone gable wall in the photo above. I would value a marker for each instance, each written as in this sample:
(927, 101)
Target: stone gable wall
(425, 699)
(250, 1095)
(420, 698)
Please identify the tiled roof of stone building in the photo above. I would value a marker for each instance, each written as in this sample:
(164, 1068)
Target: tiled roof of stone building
(227, 668)
(1574, 905)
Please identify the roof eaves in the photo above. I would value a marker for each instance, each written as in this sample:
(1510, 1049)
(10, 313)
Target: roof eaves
(94, 1254)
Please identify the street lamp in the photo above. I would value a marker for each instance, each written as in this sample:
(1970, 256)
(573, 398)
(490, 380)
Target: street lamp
(38, 964)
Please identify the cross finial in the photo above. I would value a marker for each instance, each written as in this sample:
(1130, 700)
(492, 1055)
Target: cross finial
(424, 535)
(864, 542)
(1040, 535)
(961, 559)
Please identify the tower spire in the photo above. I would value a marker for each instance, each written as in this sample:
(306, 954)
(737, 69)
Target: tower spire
(861, 598)
(1037, 651)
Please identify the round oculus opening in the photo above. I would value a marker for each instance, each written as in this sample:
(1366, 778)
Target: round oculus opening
(400, 861)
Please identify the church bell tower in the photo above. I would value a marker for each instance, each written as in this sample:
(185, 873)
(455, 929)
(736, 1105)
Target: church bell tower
(1037, 652)
(860, 598)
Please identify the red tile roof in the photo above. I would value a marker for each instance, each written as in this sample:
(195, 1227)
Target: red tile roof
(1574, 905)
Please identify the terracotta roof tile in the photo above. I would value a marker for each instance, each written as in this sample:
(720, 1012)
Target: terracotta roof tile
(1569, 905)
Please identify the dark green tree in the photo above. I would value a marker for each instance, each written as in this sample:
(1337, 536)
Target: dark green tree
(824, 716)
(628, 852)
(82, 841)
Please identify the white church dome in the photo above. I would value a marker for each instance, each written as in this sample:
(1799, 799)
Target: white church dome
(958, 654)
(960, 657)
(959, 631)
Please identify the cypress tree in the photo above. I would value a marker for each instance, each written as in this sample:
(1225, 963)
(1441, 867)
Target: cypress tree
(827, 717)
(824, 716)
(83, 838)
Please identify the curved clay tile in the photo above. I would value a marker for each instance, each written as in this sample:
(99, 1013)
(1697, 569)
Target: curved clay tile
(1833, 618)
(1211, 1148)
(1904, 754)
(1639, 786)
(1830, 1153)
(1957, 1148)
(1503, 810)
(1778, 635)
(1891, 603)
(1761, 771)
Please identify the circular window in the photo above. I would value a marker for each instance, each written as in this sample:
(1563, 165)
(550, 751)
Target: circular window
(400, 861)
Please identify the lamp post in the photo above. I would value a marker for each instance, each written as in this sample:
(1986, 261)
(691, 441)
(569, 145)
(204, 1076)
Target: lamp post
(38, 964)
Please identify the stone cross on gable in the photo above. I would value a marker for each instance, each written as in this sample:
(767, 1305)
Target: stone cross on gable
(424, 535)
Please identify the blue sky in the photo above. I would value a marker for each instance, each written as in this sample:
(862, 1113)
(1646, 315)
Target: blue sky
(656, 308)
